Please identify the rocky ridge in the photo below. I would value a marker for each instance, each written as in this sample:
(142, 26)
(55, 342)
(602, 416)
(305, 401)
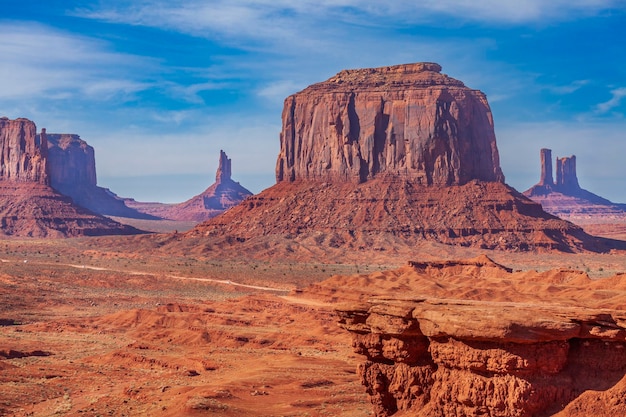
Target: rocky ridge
(551, 345)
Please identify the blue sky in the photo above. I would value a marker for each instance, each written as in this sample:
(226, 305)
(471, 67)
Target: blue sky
(159, 87)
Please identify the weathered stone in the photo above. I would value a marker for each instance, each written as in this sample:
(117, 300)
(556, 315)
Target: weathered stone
(408, 121)
(492, 373)
(566, 179)
(23, 155)
(546, 167)
(30, 207)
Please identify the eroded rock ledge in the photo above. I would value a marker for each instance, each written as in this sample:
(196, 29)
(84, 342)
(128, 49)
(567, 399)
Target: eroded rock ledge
(434, 356)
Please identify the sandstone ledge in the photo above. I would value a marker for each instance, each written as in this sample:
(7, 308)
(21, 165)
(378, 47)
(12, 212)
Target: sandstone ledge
(437, 357)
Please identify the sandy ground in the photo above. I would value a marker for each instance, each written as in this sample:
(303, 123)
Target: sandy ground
(87, 330)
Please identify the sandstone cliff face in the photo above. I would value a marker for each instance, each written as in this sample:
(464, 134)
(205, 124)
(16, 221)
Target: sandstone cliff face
(29, 206)
(407, 121)
(444, 358)
(22, 153)
(473, 338)
(72, 162)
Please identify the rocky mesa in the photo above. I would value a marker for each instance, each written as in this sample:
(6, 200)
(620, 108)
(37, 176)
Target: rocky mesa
(385, 158)
(29, 205)
(72, 172)
(406, 121)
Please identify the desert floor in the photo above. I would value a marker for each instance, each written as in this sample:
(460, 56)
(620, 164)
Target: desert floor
(87, 329)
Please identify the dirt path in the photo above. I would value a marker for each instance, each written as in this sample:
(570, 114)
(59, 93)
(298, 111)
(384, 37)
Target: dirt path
(134, 272)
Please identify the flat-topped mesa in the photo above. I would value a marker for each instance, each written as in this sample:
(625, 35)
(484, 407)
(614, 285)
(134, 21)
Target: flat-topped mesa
(405, 121)
(224, 170)
(71, 162)
(23, 154)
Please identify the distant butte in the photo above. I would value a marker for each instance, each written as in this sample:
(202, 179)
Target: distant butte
(383, 158)
(29, 206)
(223, 194)
(565, 198)
(72, 172)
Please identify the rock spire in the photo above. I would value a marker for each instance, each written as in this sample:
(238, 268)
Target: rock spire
(546, 167)
(224, 170)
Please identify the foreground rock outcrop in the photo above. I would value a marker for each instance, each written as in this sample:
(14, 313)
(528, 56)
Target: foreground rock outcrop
(384, 158)
(223, 194)
(29, 206)
(473, 338)
(566, 199)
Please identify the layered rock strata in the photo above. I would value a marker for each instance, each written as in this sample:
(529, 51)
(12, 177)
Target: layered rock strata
(471, 337)
(23, 154)
(29, 206)
(447, 357)
(408, 121)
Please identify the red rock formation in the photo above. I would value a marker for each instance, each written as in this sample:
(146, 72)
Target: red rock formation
(566, 199)
(28, 205)
(220, 196)
(566, 179)
(22, 154)
(395, 154)
(407, 121)
(538, 354)
(72, 162)
(224, 169)
(72, 172)
(546, 168)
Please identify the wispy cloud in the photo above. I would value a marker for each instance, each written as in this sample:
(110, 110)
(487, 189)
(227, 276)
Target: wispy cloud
(42, 62)
(276, 19)
(567, 89)
(617, 96)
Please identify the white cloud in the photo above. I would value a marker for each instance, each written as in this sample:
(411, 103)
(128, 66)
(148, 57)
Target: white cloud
(567, 89)
(282, 19)
(616, 100)
(38, 61)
